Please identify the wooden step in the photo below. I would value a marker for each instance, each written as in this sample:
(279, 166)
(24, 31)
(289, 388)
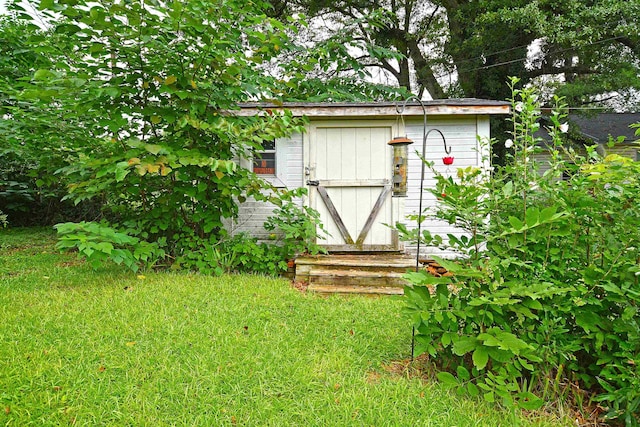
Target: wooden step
(354, 277)
(355, 273)
(368, 290)
(396, 263)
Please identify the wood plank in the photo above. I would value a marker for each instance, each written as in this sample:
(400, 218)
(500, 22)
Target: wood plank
(377, 111)
(328, 183)
(355, 272)
(373, 290)
(395, 261)
(363, 148)
(372, 216)
(335, 215)
(361, 248)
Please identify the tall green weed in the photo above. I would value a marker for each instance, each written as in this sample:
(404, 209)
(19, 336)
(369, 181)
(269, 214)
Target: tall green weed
(543, 302)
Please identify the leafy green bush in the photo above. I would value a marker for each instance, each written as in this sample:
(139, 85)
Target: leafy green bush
(295, 230)
(299, 228)
(99, 242)
(239, 253)
(37, 137)
(543, 302)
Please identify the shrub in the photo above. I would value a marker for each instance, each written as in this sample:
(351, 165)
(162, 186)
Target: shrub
(543, 304)
(99, 242)
(299, 228)
(295, 229)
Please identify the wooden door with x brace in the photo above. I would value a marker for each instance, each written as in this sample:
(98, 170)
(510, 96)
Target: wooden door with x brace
(349, 174)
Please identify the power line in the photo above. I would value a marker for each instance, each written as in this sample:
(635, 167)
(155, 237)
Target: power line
(513, 61)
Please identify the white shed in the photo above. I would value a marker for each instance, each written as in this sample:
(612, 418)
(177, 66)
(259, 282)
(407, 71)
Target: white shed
(344, 161)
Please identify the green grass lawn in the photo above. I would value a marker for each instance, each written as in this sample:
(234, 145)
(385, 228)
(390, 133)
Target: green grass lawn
(108, 347)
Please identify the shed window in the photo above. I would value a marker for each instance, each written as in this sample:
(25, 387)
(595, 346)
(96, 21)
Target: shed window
(264, 163)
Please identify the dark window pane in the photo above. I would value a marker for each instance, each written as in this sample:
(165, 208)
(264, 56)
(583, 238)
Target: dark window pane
(265, 164)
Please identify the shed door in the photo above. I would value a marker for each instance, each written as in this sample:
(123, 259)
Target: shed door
(350, 185)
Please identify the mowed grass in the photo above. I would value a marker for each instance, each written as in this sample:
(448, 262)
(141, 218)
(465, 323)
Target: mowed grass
(109, 347)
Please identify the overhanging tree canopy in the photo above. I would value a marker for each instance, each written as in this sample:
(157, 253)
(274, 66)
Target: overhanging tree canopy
(470, 47)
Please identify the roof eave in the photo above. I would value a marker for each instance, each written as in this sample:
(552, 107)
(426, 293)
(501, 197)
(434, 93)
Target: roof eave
(387, 109)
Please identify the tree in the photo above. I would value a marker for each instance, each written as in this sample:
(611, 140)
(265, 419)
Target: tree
(469, 47)
(36, 138)
(153, 86)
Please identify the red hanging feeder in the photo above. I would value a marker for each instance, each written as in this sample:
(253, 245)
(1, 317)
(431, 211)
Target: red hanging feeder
(447, 160)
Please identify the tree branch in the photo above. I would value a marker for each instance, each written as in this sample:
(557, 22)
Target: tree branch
(631, 44)
(425, 75)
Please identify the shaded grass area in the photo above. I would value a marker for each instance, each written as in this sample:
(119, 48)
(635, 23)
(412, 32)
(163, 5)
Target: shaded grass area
(107, 347)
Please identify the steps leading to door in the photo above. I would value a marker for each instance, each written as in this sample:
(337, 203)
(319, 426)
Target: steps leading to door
(360, 274)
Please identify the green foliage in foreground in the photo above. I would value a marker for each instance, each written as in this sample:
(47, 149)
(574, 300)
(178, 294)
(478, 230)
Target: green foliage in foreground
(294, 230)
(97, 243)
(106, 347)
(544, 304)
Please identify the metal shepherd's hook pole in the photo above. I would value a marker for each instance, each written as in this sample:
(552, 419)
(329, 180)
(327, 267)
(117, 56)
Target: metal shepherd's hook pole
(447, 150)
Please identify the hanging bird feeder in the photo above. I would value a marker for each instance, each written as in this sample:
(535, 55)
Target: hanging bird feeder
(448, 160)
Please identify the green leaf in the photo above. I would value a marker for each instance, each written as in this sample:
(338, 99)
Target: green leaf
(424, 278)
(507, 189)
(489, 397)
(445, 339)
(43, 74)
(121, 173)
(515, 223)
(153, 148)
(231, 167)
(447, 379)
(532, 217)
(472, 389)
(588, 320)
(480, 357)
(104, 247)
(548, 213)
(45, 4)
(451, 266)
(463, 373)
(464, 345)
(629, 313)
(528, 366)
(509, 341)
(529, 401)
(533, 304)
(112, 91)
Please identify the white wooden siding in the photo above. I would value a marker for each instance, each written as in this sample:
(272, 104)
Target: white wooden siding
(461, 134)
(289, 174)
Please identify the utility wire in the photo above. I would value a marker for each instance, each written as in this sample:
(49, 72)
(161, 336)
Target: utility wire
(499, 64)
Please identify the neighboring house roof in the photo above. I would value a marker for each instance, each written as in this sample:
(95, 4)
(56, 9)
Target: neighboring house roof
(380, 109)
(599, 127)
(589, 129)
